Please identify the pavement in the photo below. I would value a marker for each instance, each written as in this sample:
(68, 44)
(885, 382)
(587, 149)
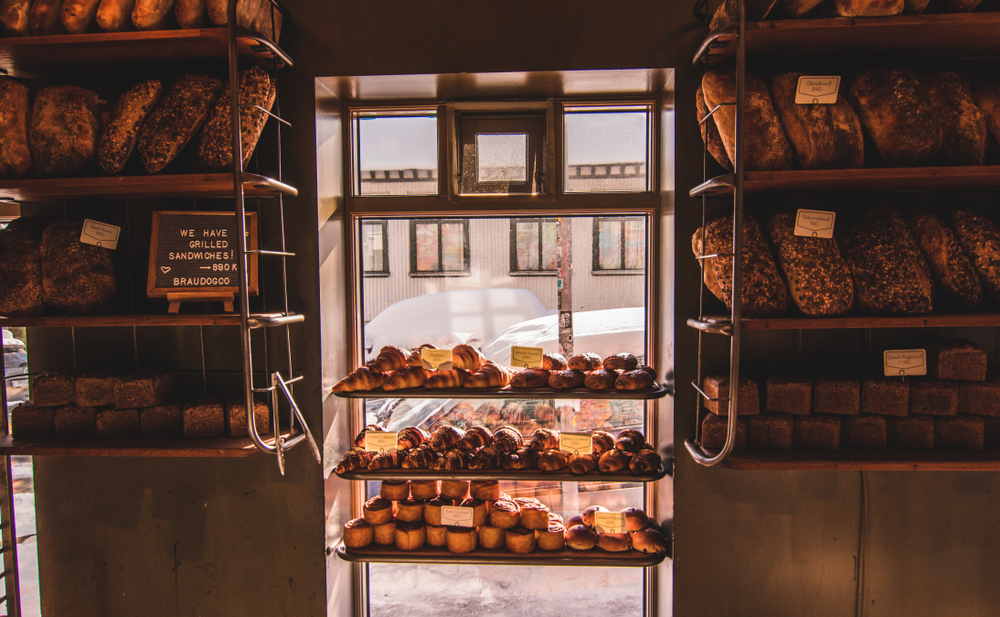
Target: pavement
(27, 550)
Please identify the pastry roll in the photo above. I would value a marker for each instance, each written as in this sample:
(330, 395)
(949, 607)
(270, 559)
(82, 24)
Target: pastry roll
(505, 514)
(614, 542)
(377, 511)
(553, 362)
(479, 511)
(520, 540)
(455, 489)
(358, 533)
(395, 490)
(385, 534)
(487, 490)
(585, 362)
(466, 357)
(461, 539)
(492, 537)
(410, 510)
(530, 378)
(552, 538)
(363, 378)
(410, 536)
(390, 358)
(437, 535)
(534, 516)
(405, 378)
(425, 489)
(601, 379)
(432, 510)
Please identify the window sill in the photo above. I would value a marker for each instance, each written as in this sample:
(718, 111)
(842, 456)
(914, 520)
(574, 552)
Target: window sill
(376, 274)
(438, 274)
(533, 273)
(618, 272)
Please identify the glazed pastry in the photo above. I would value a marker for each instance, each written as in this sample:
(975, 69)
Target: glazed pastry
(419, 458)
(530, 378)
(409, 510)
(634, 380)
(362, 379)
(508, 439)
(492, 537)
(648, 370)
(552, 460)
(358, 533)
(581, 538)
(544, 439)
(395, 490)
(524, 458)
(455, 489)
(432, 510)
(589, 515)
(601, 442)
(585, 362)
(377, 511)
(552, 538)
(486, 458)
(649, 540)
(645, 461)
(630, 440)
(386, 460)
(390, 358)
(520, 540)
(446, 437)
(601, 379)
(534, 516)
(574, 521)
(505, 514)
(410, 536)
(475, 438)
(487, 490)
(621, 362)
(425, 489)
(410, 437)
(385, 534)
(566, 380)
(437, 535)
(353, 460)
(451, 460)
(580, 464)
(490, 375)
(614, 542)
(415, 359)
(447, 379)
(553, 362)
(635, 519)
(480, 515)
(404, 378)
(359, 440)
(461, 539)
(466, 357)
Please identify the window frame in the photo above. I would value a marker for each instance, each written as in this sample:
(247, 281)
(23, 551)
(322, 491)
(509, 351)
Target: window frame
(353, 141)
(384, 223)
(514, 270)
(466, 253)
(532, 123)
(647, 107)
(595, 268)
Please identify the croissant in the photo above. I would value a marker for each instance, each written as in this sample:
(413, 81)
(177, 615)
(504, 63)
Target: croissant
(566, 380)
(363, 378)
(553, 362)
(634, 380)
(451, 460)
(580, 464)
(415, 359)
(602, 442)
(489, 457)
(621, 362)
(446, 437)
(354, 459)
(544, 439)
(410, 437)
(648, 370)
(612, 461)
(475, 438)
(466, 357)
(386, 460)
(630, 440)
(530, 378)
(490, 375)
(645, 461)
(405, 378)
(419, 458)
(389, 358)
(359, 441)
(447, 379)
(552, 460)
(601, 379)
(508, 439)
(585, 362)
(522, 459)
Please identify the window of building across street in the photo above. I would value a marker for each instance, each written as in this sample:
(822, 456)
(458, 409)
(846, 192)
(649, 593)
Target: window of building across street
(619, 244)
(439, 246)
(533, 246)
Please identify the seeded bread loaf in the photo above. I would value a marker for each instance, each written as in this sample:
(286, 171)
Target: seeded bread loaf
(257, 15)
(76, 277)
(44, 18)
(78, 15)
(153, 14)
(710, 132)
(898, 116)
(191, 13)
(14, 16)
(122, 130)
(707, 268)
(866, 8)
(980, 237)
(215, 149)
(822, 136)
(819, 281)
(115, 15)
(962, 124)
(953, 272)
(64, 130)
(15, 151)
(21, 269)
(987, 99)
(767, 148)
(177, 119)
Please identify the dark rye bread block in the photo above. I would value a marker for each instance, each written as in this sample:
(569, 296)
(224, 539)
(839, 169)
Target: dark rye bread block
(962, 124)
(931, 397)
(143, 389)
(21, 267)
(911, 433)
(29, 421)
(981, 398)
(957, 359)
(161, 421)
(717, 387)
(885, 396)
(953, 271)
(819, 280)
(865, 432)
(73, 421)
(76, 277)
(236, 418)
(991, 432)
(787, 394)
(959, 433)
(980, 237)
(817, 433)
(117, 423)
(204, 419)
(53, 389)
(840, 397)
(713, 432)
(770, 432)
(95, 390)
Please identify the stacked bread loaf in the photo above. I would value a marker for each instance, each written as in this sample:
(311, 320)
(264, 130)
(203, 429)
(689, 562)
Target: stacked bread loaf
(140, 404)
(955, 407)
(727, 13)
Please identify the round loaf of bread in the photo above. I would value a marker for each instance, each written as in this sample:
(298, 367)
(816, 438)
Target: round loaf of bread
(581, 538)
(520, 540)
(492, 537)
(410, 510)
(505, 514)
(461, 539)
(425, 489)
(358, 533)
(649, 540)
(437, 535)
(589, 515)
(395, 490)
(385, 534)
(487, 490)
(614, 542)
(377, 510)
(574, 521)
(410, 536)
(635, 519)
(534, 516)
(455, 489)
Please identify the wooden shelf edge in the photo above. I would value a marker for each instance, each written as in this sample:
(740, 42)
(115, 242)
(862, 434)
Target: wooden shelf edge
(481, 556)
(835, 323)
(530, 475)
(210, 447)
(659, 391)
(865, 460)
(104, 321)
(125, 187)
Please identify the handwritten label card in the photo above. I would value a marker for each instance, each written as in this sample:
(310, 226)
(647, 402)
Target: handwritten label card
(576, 443)
(814, 223)
(436, 359)
(813, 90)
(100, 234)
(610, 522)
(526, 357)
(902, 362)
(457, 516)
(376, 441)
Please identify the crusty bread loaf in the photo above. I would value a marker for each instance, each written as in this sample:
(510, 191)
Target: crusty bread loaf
(215, 149)
(819, 281)
(707, 267)
(64, 130)
(952, 270)
(914, 7)
(191, 13)
(21, 268)
(710, 133)
(122, 129)
(115, 15)
(78, 15)
(822, 136)
(153, 14)
(763, 292)
(764, 139)
(898, 115)
(177, 119)
(866, 8)
(44, 18)
(76, 277)
(15, 151)
(14, 16)
(987, 98)
(962, 124)
(890, 275)
(980, 236)
(798, 8)
(727, 14)
(257, 15)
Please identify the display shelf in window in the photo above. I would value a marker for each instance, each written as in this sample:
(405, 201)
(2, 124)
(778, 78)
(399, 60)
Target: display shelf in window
(721, 324)
(212, 447)
(257, 320)
(497, 557)
(866, 460)
(529, 475)
(654, 392)
(141, 187)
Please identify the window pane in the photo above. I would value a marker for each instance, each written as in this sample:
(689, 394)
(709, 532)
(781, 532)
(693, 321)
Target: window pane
(635, 244)
(550, 248)
(610, 245)
(527, 246)
(372, 248)
(453, 243)
(502, 158)
(427, 247)
(606, 151)
(398, 155)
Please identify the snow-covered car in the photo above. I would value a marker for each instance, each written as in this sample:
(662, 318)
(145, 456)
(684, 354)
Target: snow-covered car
(15, 363)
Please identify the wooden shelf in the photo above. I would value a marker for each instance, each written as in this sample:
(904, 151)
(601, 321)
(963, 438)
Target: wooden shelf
(140, 187)
(856, 180)
(212, 447)
(835, 323)
(261, 320)
(34, 56)
(530, 475)
(899, 37)
(657, 391)
(497, 557)
(866, 460)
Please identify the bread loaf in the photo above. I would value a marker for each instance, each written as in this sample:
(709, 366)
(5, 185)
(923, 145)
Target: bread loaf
(898, 115)
(153, 14)
(15, 151)
(980, 237)
(76, 277)
(21, 268)
(78, 15)
(952, 270)
(798, 8)
(44, 18)
(707, 267)
(728, 12)
(890, 275)
(819, 281)
(64, 130)
(764, 139)
(962, 124)
(176, 120)
(822, 136)
(115, 15)
(710, 133)
(987, 98)
(191, 13)
(215, 151)
(122, 130)
(867, 8)
(764, 293)
(14, 16)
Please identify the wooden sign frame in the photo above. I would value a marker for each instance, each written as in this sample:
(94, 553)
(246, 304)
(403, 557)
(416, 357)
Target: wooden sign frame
(175, 295)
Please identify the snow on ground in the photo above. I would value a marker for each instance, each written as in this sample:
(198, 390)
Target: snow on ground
(27, 550)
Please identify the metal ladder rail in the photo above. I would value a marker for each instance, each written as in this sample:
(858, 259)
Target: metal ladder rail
(8, 528)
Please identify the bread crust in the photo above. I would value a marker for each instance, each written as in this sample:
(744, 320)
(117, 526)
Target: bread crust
(115, 15)
(822, 136)
(78, 15)
(15, 149)
(710, 133)
(987, 98)
(173, 123)
(14, 15)
(44, 18)
(952, 269)
(819, 280)
(191, 13)
(153, 14)
(64, 130)
(980, 236)
(963, 125)
(120, 134)
(867, 8)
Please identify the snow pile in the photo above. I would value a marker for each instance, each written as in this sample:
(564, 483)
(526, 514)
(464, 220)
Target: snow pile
(450, 318)
(605, 333)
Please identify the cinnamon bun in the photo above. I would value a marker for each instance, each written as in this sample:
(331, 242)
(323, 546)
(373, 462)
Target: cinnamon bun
(358, 533)
(520, 540)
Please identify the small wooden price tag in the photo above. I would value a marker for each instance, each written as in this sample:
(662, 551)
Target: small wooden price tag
(526, 357)
(100, 234)
(436, 359)
(457, 516)
(817, 90)
(376, 441)
(903, 362)
(576, 443)
(814, 223)
(610, 522)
